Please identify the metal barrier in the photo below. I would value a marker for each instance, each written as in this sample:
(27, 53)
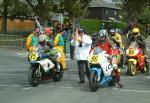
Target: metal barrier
(12, 41)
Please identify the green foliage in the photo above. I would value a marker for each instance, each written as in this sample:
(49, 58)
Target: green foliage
(75, 8)
(92, 25)
(133, 7)
(144, 17)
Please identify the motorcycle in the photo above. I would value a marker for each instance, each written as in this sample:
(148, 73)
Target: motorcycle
(101, 70)
(135, 59)
(44, 65)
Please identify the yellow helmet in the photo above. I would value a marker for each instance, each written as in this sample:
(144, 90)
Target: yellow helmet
(135, 30)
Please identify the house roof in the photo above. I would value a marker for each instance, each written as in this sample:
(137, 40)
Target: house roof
(101, 3)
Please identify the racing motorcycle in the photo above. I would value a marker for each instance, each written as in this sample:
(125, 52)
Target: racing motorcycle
(101, 70)
(135, 59)
(44, 65)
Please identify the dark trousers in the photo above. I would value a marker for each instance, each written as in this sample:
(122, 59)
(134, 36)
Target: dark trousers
(83, 68)
(71, 52)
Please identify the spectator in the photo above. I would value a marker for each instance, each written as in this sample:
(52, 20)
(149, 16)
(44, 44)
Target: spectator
(82, 43)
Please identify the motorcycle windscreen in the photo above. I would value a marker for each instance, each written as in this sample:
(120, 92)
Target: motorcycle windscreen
(134, 44)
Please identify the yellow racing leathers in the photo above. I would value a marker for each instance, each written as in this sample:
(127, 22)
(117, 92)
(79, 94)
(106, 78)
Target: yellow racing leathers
(59, 44)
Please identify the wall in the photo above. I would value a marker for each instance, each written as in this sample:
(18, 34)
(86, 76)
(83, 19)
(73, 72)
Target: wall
(18, 25)
(102, 13)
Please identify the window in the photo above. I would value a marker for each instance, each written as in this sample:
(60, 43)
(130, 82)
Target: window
(115, 12)
(106, 11)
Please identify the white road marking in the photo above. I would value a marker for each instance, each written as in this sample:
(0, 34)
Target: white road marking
(128, 90)
(14, 70)
(70, 87)
(27, 88)
(13, 74)
(12, 85)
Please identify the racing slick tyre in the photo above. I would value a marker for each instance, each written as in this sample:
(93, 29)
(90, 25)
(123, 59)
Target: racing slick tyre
(113, 81)
(58, 75)
(33, 77)
(131, 68)
(93, 81)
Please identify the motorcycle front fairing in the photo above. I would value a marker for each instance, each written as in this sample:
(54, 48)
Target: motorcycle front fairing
(102, 79)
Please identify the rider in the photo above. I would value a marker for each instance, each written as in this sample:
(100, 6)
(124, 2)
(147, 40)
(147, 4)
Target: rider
(106, 45)
(45, 45)
(94, 39)
(117, 39)
(136, 36)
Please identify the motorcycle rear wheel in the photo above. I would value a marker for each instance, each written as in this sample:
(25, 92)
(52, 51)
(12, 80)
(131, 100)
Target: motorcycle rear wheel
(93, 81)
(131, 68)
(112, 82)
(58, 75)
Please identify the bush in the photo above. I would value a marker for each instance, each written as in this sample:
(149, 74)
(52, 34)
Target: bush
(92, 25)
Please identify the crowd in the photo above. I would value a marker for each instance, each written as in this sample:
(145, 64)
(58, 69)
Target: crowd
(83, 44)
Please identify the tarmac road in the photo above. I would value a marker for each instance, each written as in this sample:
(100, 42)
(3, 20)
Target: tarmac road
(14, 87)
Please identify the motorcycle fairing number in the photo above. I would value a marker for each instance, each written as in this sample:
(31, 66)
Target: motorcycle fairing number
(46, 64)
(95, 59)
(107, 68)
(33, 56)
(131, 51)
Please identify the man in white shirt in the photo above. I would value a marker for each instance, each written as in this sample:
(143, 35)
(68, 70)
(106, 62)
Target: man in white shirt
(82, 43)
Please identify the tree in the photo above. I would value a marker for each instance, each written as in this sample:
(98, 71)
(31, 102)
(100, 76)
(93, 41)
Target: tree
(40, 8)
(75, 8)
(19, 8)
(133, 7)
(4, 15)
(12, 8)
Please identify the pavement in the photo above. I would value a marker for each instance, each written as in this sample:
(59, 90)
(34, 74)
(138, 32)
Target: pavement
(14, 86)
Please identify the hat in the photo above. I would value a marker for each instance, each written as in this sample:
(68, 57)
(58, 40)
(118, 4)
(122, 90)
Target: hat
(95, 34)
(81, 30)
(37, 30)
(48, 31)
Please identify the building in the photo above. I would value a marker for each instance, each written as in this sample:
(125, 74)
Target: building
(18, 25)
(99, 9)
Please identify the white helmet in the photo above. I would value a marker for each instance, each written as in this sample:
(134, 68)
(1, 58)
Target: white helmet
(42, 38)
(103, 33)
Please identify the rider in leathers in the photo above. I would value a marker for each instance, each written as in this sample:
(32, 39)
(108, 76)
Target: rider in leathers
(104, 44)
(136, 36)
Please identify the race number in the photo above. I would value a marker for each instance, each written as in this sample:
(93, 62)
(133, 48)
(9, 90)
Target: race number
(94, 59)
(33, 56)
(131, 52)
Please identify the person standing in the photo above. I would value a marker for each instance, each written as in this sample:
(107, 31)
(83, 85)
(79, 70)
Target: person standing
(82, 43)
(32, 40)
(59, 44)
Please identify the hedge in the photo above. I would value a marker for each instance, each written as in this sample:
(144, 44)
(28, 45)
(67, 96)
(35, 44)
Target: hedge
(92, 25)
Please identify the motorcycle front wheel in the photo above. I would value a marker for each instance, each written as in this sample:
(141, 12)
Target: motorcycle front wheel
(131, 68)
(93, 81)
(32, 76)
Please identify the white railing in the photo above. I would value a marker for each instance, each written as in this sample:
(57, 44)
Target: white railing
(12, 41)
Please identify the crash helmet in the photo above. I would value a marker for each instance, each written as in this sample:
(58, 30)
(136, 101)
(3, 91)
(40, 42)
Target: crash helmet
(42, 39)
(103, 35)
(112, 32)
(135, 31)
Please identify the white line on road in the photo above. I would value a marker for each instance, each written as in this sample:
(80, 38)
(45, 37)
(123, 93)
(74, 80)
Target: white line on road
(70, 87)
(13, 74)
(12, 85)
(128, 90)
(13, 69)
